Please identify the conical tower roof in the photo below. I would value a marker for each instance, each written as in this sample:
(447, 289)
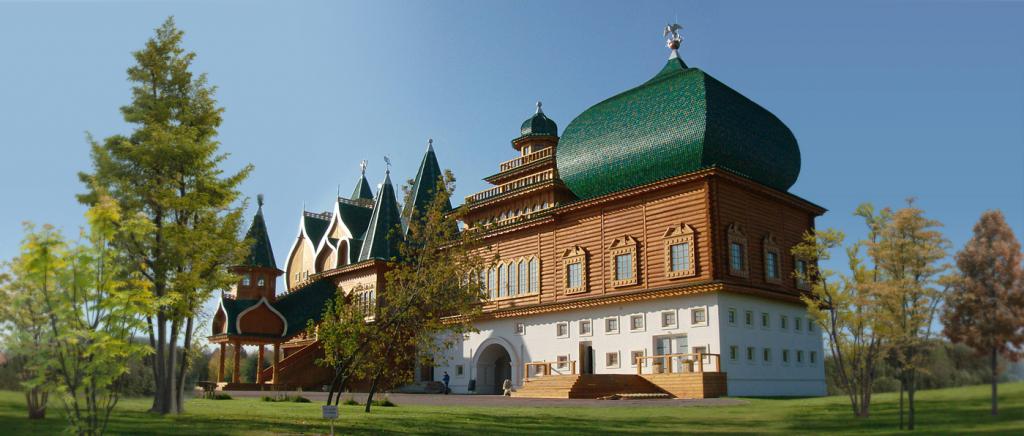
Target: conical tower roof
(362, 191)
(424, 187)
(260, 252)
(384, 232)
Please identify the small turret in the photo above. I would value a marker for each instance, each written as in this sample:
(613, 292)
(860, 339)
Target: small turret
(258, 271)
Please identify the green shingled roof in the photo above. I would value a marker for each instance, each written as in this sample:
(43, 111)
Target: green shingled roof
(260, 252)
(423, 187)
(298, 307)
(384, 231)
(538, 125)
(355, 217)
(315, 227)
(362, 191)
(680, 121)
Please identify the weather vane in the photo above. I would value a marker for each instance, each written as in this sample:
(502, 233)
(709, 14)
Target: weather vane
(674, 40)
(387, 162)
(362, 167)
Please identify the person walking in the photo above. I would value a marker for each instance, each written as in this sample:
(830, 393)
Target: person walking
(446, 379)
(507, 388)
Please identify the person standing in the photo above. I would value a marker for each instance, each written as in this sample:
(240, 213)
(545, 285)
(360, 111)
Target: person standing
(446, 379)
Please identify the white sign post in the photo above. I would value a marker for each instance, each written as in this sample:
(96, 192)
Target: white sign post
(331, 413)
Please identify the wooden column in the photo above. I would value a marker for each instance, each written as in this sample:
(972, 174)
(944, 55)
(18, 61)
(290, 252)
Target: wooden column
(235, 376)
(220, 368)
(277, 357)
(259, 365)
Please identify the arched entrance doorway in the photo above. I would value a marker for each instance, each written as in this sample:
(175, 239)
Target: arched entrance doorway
(493, 367)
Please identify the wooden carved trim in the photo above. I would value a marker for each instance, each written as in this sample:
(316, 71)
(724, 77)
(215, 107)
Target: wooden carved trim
(620, 246)
(575, 254)
(681, 234)
(736, 235)
(771, 246)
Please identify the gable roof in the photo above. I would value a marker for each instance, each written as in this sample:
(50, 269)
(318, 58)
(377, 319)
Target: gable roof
(384, 230)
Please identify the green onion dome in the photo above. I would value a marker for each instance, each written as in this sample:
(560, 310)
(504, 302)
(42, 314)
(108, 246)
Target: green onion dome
(538, 125)
(680, 121)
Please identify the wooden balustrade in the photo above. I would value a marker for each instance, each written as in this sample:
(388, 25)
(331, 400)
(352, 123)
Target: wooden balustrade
(689, 362)
(523, 160)
(543, 176)
(547, 367)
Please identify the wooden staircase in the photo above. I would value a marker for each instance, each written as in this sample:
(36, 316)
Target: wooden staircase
(297, 369)
(691, 385)
(585, 386)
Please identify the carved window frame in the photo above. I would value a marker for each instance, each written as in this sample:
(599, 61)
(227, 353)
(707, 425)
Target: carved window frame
(736, 235)
(620, 246)
(771, 246)
(675, 235)
(576, 254)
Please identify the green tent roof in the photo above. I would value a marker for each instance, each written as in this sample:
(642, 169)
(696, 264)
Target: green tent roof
(680, 121)
(384, 231)
(424, 186)
(362, 191)
(260, 252)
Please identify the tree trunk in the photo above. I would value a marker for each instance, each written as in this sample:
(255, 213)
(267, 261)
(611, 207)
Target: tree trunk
(995, 373)
(36, 399)
(902, 385)
(373, 389)
(183, 367)
(910, 400)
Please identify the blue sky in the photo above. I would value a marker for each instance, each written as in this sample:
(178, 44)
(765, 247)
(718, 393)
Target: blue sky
(887, 99)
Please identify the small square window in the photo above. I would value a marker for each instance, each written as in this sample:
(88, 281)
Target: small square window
(813, 356)
(732, 316)
(799, 356)
(611, 360)
(734, 352)
(460, 370)
(750, 354)
(783, 322)
(785, 356)
(698, 316)
(798, 323)
(764, 320)
(634, 356)
(562, 329)
(748, 318)
(586, 328)
(611, 325)
(520, 328)
(766, 355)
(668, 319)
(261, 283)
(245, 281)
(636, 322)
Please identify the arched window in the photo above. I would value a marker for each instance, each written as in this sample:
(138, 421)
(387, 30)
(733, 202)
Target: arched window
(534, 276)
(524, 277)
(492, 282)
(513, 278)
(502, 281)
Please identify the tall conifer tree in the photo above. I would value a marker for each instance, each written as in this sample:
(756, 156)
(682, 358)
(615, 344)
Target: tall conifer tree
(985, 307)
(167, 174)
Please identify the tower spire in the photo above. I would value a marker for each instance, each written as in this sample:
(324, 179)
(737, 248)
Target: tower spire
(672, 39)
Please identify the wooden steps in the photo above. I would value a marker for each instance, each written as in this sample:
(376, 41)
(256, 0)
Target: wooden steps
(585, 386)
(691, 385)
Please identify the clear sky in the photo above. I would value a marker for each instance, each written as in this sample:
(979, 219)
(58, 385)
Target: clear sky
(888, 99)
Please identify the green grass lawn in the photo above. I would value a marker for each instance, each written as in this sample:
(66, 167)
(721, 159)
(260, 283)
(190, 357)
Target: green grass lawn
(955, 411)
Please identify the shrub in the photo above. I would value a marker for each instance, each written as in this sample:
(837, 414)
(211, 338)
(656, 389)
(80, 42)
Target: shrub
(350, 402)
(383, 403)
(221, 396)
(285, 399)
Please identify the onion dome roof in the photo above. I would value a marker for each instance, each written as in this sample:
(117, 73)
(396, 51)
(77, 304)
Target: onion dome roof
(538, 125)
(681, 120)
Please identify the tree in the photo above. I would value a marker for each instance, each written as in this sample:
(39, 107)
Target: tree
(907, 250)
(430, 297)
(844, 308)
(166, 177)
(32, 275)
(985, 307)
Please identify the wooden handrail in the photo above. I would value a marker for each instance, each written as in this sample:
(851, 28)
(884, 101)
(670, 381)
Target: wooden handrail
(699, 361)
(523, 160)
(513, 185)
(546, 366)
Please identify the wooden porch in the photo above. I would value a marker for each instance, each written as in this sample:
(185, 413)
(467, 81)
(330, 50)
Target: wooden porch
(689, 376)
